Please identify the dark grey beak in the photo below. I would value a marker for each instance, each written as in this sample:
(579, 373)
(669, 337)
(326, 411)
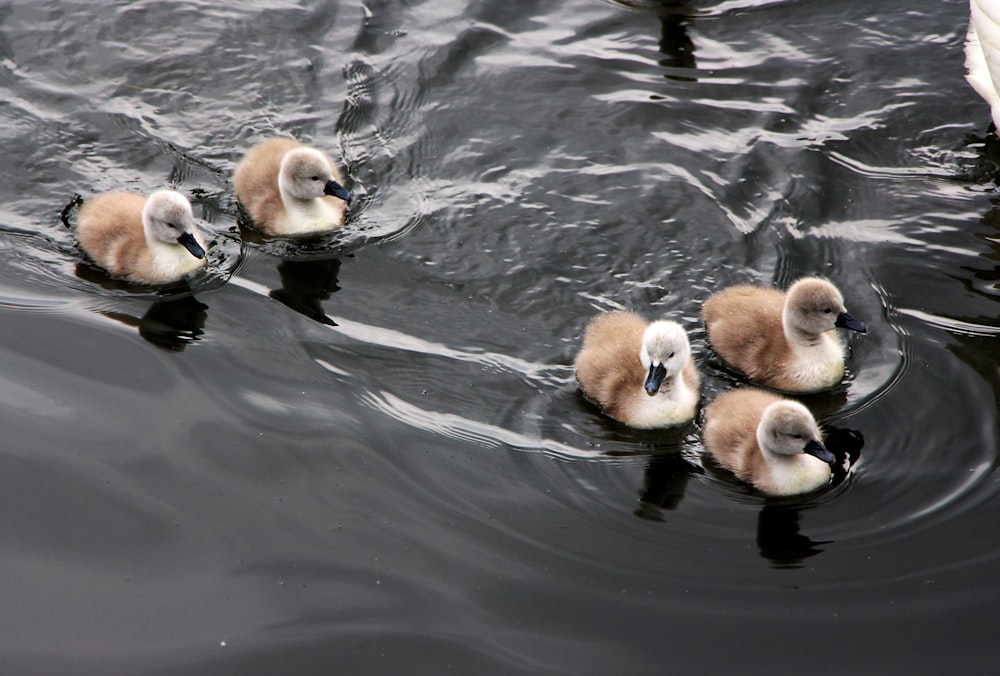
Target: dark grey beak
(337, 190)
(817, 449)
(655, 378)
(188, 241)
(846, 321)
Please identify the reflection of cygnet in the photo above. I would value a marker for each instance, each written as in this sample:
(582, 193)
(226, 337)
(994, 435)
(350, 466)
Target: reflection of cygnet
(770, 442)
(288, 188)
(640, 374)
(982, 48)
(782, 340)
(152, 240)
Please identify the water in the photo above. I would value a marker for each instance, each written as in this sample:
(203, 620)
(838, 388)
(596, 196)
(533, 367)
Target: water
(367, 453)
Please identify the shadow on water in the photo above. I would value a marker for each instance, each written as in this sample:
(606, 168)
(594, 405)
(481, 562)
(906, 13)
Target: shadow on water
(664, 483)
(987, 166)
(675, 44)
(778, 537)
(171, 325)
(985, 280)
(846, 445)
(305, 284)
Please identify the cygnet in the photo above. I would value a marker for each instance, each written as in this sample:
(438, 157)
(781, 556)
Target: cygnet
(639, 373)
(785, 341)
(767, 441)
(150, 240)
(288, 188)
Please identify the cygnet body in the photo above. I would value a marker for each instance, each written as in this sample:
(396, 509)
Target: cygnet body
(150, 240)
(786, 341)
(288, 188)
(639, 373)
(982, 53)
(767, 441)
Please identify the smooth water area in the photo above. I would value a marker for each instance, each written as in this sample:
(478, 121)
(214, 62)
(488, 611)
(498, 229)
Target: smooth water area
(366, 453)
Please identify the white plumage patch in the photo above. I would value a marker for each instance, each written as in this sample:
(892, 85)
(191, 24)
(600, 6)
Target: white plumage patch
(982, 53)
(665, 408)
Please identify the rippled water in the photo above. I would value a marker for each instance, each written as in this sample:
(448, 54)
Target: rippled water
(366, 453)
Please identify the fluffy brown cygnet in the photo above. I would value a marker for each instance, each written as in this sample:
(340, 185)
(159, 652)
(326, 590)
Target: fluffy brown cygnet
(639, 373)
(767, 441)
(151, 240)
(786, 341)
(288, 188)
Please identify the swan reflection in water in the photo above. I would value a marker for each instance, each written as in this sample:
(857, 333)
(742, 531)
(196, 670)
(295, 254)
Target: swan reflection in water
(779, 537)
(305, 284)
(675, 44)
(168, 324)
(665, 481)
(171, 324)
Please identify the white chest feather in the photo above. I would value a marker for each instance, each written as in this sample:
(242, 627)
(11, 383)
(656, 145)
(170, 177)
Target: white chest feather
(172, 261)
(797, 474)
(667, 407)
(302, 216)
(819, 366)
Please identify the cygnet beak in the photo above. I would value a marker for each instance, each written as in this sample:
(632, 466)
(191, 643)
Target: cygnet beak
(337, 190)
(188, 241)
(846, 321)
(657, 373)
(816, 449)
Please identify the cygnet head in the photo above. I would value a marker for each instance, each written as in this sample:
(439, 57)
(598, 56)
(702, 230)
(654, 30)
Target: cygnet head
(306, 174)
(814, 306)
(788, 428)
(665, 351)
(167, 218)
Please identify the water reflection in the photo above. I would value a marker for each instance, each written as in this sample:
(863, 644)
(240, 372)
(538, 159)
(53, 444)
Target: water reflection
(664, 482)
(986, 168)
(778, 537)
(984, 281)
(168, 324)
(846, 445)
(675, 43)
(74, 204)
(171, 324)
(305, 284)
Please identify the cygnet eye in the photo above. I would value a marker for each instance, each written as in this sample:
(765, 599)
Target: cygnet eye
(797, 436)
(316, 178)
(827, 310)
(670, 356)
(171, 225)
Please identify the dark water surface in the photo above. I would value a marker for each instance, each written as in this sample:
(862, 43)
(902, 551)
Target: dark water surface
(367, 454)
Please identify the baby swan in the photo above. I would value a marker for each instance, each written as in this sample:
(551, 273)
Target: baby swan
(639, 374)
(785, 341)
(148, 240)
(288, 188)
(770, 442)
